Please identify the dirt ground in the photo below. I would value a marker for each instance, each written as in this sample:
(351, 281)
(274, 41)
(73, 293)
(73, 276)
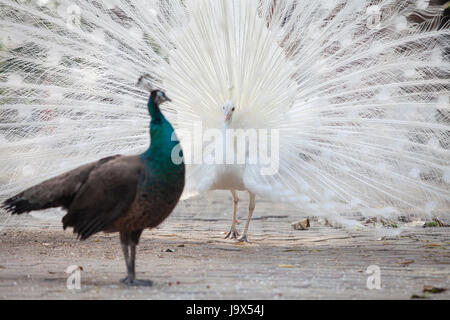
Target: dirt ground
(188, 258)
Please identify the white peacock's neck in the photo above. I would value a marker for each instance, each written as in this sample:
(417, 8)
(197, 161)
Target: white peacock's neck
(227, 125)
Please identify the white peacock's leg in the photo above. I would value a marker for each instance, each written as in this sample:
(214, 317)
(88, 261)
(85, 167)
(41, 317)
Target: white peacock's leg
(233, 234)
(251, 208)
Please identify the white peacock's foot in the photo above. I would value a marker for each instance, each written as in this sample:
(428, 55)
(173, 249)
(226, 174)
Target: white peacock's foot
(232, 234)
(136, 283)
(243, 238)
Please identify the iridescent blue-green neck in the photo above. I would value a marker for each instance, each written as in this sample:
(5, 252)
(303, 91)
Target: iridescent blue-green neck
(162, 139)
(153, 109)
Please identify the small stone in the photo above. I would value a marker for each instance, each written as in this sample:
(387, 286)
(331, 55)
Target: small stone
(301, 225)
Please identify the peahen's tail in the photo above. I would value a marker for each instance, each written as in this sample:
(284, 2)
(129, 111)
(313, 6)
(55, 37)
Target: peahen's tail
(18, 205)
(55, 192)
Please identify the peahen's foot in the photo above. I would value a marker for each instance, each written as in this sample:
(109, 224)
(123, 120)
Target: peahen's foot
(243, 238)
(232, 234)
(136, 283)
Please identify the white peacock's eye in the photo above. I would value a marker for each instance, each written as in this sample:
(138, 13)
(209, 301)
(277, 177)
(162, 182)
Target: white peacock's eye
(232, 109)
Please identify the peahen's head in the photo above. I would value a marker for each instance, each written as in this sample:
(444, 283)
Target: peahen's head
(159, 97)
(156, 98)
(228, 109)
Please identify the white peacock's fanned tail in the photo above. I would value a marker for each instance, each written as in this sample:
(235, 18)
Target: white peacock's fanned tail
(359, 91)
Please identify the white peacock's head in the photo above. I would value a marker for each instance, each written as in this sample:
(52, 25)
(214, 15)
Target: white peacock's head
(228, 109)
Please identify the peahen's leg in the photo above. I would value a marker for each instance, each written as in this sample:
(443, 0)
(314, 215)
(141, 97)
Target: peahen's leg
(125, 255)
(233, 234)
(124, 242)
(251, 208)
(129, 241)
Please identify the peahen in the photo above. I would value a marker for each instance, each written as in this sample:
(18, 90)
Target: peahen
(355, 92)
(124, 194)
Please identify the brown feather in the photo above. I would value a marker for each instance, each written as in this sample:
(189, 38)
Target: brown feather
(106, 195)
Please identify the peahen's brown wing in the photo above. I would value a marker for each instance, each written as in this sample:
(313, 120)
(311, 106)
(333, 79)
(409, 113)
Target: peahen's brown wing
(106, 195)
